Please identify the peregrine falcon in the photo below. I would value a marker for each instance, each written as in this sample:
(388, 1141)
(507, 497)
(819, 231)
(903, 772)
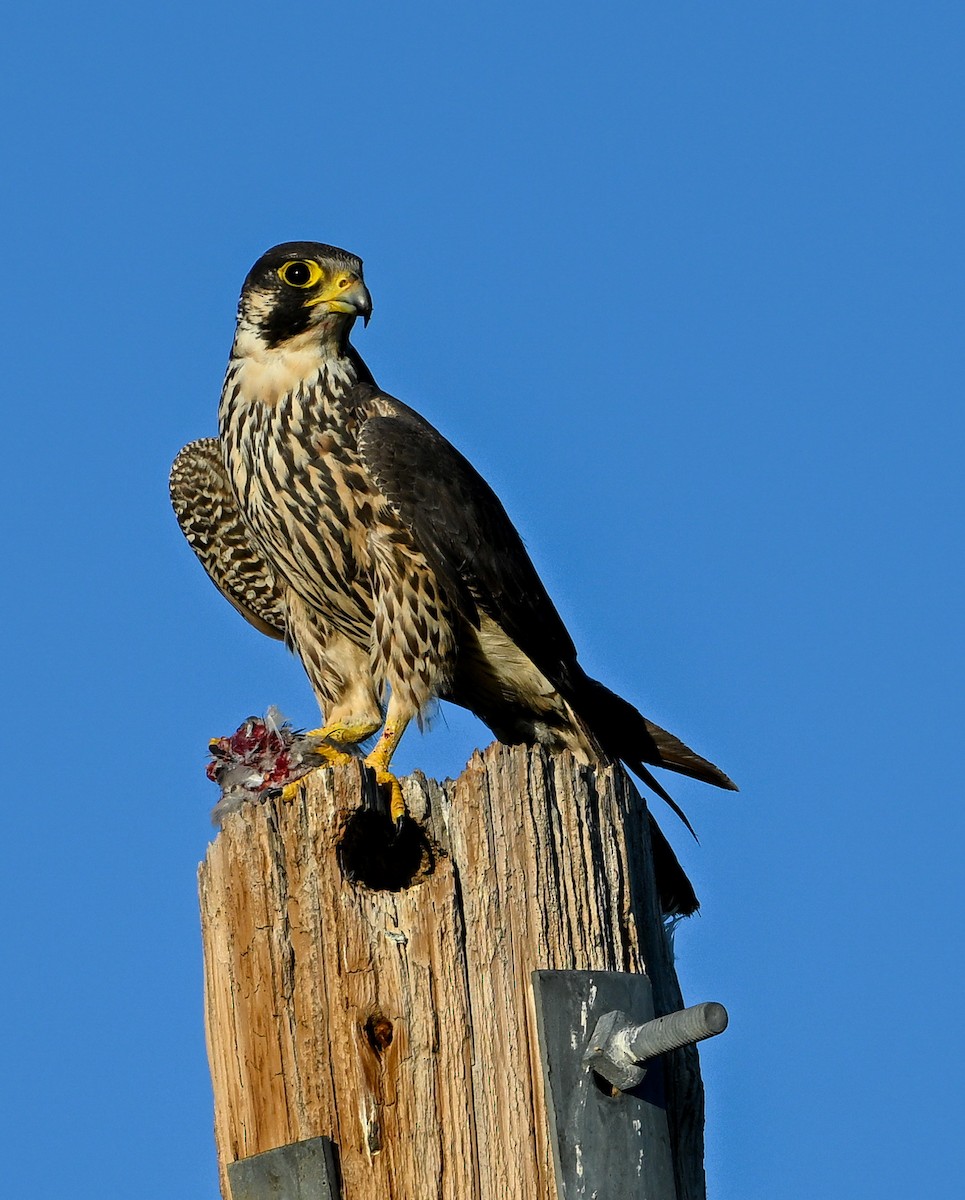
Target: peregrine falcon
(336, 519)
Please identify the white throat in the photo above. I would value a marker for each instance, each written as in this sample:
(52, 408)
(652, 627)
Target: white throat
(273, 372)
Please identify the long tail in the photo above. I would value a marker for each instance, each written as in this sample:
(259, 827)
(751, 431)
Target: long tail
(623, 733)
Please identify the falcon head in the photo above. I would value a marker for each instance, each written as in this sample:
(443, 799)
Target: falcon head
(301, 288)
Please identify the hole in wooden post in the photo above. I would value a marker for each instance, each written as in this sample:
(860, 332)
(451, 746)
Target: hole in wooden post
(374, 853)
(378, 1032)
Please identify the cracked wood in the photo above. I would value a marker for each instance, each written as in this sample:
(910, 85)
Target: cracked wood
(400, 1023)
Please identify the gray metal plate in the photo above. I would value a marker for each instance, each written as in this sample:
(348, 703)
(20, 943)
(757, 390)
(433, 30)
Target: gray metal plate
(605, 1146)
(302, 1171)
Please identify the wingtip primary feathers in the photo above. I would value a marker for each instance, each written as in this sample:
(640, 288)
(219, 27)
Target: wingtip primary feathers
(626, 734)
(675, 755)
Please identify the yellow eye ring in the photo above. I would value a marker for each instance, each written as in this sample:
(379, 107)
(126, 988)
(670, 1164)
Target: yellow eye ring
(300, 273)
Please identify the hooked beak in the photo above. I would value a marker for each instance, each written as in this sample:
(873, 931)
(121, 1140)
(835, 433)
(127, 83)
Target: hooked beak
(354, 300)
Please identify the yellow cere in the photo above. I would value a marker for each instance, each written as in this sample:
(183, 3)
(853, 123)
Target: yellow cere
(329, 297)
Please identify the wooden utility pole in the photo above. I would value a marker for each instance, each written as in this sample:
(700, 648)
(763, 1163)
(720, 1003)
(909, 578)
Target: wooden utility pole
(378, 992)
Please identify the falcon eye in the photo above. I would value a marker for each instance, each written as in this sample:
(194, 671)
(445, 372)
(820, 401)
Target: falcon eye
(297, 273)
(300, 274)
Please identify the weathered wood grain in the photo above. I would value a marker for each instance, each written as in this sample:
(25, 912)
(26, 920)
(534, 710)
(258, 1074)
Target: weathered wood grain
(399, 1021)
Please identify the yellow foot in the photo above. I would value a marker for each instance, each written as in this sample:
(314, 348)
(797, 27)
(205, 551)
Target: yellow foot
(291, 790)
(385, 778)
(331, 757)
(329, 741)
(344, 733)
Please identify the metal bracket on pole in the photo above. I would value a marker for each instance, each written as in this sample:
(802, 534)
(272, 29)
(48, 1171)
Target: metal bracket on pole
(607, 1112)
(301, 1171)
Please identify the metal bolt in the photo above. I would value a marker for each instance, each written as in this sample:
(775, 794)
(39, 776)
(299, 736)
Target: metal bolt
(619, 1046)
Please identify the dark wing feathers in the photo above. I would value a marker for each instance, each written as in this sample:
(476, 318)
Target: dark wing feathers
(205, 507)
(461, 526)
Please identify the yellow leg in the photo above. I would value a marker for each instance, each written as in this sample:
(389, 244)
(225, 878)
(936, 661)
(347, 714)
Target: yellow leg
(381, 756)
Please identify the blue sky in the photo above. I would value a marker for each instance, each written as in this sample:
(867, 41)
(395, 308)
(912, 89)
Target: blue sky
(685, 282)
